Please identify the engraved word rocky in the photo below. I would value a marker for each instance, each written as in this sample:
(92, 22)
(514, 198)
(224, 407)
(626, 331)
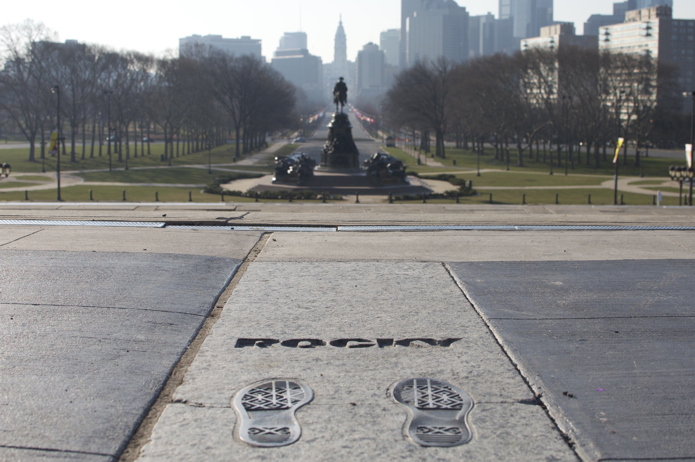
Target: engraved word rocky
(308, 343)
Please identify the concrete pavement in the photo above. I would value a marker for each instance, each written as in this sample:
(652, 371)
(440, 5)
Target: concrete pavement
(514, 318)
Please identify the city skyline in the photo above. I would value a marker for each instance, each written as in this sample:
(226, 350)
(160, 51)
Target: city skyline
(148, 28)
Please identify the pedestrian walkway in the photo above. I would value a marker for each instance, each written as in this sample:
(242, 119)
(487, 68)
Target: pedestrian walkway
(263, 155)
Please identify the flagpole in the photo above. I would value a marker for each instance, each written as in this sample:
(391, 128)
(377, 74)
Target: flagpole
(615, 161)
(615, 188)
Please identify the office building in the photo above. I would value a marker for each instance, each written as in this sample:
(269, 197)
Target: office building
(369, 71)
(408, 10)
(481, 35)
(302, 69)
(528, 16)
(654, 33)
(439, 28)
(645, 32)
(236, 47)
(293, 41)
(389, 43)
(596, 21)
(557, 36)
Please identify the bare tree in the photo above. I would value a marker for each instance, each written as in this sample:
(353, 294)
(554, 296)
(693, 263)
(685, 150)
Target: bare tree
(421, 97)
(24, 81)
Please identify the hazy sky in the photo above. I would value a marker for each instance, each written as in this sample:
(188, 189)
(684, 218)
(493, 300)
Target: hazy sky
(155, 26)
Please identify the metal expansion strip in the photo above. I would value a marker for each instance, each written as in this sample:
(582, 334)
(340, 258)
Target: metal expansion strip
(106, 224)
(300, 229)
(333, 229)
(513, 228)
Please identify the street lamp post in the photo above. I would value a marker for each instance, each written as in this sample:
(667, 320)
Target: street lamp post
(679, 174)
(479, 152)
(617, 147)
(56, 90)
(209, 146)
(692, 142)
(108, 94)
(567, 129)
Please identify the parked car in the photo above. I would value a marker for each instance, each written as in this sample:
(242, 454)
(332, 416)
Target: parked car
(301, 139)
(147, 139)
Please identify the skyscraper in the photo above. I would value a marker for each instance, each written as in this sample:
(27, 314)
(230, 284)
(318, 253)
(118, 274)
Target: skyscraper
(302, 69)
(369, 71)
(293, 41)
(237, 47)
(438, 28)
(389, 44)
(481, 35)
(528, 16)
(408, 9)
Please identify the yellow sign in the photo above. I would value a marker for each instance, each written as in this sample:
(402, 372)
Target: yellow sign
(53, 147)
(617, 149)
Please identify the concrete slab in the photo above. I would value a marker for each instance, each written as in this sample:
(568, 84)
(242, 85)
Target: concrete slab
(617, 336)
(132, 240)
(9, 234)
(478, 246)
(383, 307)
(502, 432)
(131, 211)
(162, 282)
(20, 455)
(89, 340)
(354, 214)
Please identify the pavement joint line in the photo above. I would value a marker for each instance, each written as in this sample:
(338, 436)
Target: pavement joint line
(142, 435)
(510, 356)
(595, 318)
(183, 313)
(20, 238)
(62, 451)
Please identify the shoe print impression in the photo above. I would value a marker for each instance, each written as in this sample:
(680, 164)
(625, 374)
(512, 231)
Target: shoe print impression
(437, 412)
(266, 412)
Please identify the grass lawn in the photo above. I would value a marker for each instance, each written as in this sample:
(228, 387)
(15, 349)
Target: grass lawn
(173, 175)
(528, 179)
(672, 190)
(15, 184)
(648, 182)
(43, 179)
(18, 159)
(651, 166)
(269, 161)
(599, 196)
(80, 193)
(286, 150)
(566, 197)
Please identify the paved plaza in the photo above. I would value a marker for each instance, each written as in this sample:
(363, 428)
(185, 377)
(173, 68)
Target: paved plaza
(130, 330)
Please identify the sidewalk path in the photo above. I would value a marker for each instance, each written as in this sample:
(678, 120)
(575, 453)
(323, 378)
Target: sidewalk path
(254, 159)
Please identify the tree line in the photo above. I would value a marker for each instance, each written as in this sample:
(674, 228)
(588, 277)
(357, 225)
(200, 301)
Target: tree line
(194, 100)
(565, 100)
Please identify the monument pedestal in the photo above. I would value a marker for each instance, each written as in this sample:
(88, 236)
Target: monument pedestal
(340, 153)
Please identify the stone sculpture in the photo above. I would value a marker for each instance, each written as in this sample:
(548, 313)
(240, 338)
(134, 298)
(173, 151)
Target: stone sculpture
(384, 168)
(297, 167)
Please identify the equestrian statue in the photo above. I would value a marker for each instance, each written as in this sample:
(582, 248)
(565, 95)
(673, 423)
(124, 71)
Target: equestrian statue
(340, 94)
